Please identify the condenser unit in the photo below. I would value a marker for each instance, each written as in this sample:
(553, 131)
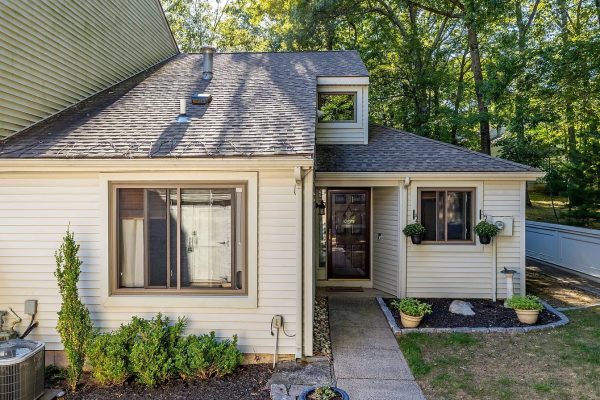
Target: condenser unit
(21, 369)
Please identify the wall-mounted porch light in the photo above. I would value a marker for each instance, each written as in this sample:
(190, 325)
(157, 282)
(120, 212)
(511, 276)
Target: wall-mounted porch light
(321, 207)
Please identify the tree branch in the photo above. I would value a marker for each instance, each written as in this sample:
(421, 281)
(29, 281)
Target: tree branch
(532, 15)
(436, 11)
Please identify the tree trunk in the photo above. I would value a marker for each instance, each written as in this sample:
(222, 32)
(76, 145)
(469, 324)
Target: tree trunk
(460, 89)
(476, 69)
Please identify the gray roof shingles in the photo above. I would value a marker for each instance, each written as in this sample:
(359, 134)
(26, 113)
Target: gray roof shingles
(263, 104)
(392, 150)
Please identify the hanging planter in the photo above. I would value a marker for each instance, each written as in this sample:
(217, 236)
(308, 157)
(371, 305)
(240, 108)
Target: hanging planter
(486, 231)
(415, 231)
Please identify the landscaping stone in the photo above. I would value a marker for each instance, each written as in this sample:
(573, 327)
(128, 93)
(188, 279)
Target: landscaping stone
(461, 307)
(295, 390)
(278, 390)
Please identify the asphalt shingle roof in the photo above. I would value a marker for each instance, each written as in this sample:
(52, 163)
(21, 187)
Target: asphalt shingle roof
(263, 104)
(392, 150)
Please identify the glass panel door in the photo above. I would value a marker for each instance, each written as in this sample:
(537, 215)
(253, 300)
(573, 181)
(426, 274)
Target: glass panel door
(348, 231)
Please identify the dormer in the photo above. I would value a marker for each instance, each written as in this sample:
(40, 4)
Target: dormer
(343, 110)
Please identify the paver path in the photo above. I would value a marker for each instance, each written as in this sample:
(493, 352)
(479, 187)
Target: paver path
(367, 361)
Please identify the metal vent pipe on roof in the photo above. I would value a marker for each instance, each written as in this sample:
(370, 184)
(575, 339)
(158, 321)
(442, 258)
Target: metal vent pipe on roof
(207, 65)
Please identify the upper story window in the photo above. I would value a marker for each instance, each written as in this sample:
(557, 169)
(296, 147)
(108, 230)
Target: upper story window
(447, 214)
(337, 107)
(178, 239)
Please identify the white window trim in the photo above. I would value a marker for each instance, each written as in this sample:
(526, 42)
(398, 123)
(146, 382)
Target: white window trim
(177, 300)
(358, 107)
(441, 246)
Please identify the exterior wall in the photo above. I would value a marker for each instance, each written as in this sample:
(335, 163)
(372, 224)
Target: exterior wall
(466, 270)
(57, 52)
(35, 210)
(385, 248)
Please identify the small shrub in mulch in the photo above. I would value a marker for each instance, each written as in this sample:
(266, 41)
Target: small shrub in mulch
(488, 314)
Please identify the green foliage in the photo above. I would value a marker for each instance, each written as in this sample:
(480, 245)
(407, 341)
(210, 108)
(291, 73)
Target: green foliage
(414, 229)
(484, 228)
(151, 355)
(153, 351)
(412, 307)
(528, 302)
(74, 322)
(325, 393)
(108, 357)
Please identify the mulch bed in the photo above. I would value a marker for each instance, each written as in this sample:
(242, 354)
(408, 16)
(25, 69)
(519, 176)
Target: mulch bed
(249, 382)
(488, 314)
(321, 336)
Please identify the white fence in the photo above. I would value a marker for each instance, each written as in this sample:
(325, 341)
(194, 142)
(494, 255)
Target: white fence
(566, 246)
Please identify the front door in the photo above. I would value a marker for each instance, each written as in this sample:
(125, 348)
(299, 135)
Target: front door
(348, 233)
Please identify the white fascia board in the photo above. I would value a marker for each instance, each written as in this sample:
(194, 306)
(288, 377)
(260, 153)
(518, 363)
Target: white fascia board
(393, 177)
(167, 164)
(342, 80)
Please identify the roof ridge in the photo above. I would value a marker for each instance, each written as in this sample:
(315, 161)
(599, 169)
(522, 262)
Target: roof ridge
(482, 155)
(281, 52)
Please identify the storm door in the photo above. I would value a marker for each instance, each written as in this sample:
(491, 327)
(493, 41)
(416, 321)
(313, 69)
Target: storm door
(348, 233)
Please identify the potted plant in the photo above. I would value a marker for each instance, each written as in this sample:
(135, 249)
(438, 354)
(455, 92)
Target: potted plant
(323, 393)
(415, 231)
(486, 231)
(411, 311)
(527, 308)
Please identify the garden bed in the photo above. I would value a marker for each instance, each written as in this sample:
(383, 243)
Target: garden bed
(248, 382)
(488, 314)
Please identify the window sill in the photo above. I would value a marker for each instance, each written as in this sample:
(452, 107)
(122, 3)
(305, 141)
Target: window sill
(161, 301)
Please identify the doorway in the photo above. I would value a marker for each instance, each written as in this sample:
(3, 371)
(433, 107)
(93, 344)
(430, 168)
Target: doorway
(348, 221)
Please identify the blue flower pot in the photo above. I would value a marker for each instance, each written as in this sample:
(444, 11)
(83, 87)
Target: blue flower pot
(306, 392)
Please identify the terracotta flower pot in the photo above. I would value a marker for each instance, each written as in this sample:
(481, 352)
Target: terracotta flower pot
(416, 239)
(529, 317)
(485, 239)
(409, 321)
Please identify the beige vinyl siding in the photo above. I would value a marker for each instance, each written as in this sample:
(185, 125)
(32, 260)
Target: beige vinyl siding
(347, 133)
(55, 53)
(466, 270)
(385, 251)
(35, 213)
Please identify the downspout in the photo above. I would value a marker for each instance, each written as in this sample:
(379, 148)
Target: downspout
(298, 191)
(494, 268)
(403, 210)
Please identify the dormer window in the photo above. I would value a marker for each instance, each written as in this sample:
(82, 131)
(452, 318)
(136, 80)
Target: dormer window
(337, 107)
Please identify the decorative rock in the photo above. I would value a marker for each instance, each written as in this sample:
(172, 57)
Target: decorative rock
(461, 307)
(278, 390)
(295, 390)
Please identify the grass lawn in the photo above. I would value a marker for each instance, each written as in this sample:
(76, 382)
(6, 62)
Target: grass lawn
(563, 363)
(541, 210)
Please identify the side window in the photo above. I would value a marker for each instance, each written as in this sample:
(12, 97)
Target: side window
(447, 214)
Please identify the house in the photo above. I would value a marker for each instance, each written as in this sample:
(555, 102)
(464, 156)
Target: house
(225, 187)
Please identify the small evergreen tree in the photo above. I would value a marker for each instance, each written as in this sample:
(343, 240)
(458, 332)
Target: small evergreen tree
(74, 322)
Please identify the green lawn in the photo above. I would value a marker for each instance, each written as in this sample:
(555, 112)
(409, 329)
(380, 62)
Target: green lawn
(542, 211)
(563, 363)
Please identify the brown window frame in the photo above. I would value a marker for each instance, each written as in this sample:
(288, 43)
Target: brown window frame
(473, 192)
(239, 247)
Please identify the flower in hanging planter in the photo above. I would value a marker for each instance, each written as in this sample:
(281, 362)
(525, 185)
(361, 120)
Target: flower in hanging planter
(484, 228)
(415, 229)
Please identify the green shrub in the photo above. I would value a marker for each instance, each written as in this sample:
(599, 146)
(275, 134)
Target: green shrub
(107, 357)
(74, 322)
(525, 303)
(151, 355)
(412, 307)
(484, 228)
(414, 229)
(204, 356)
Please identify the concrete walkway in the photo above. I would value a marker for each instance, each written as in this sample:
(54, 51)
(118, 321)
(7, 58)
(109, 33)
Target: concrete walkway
(367, 361)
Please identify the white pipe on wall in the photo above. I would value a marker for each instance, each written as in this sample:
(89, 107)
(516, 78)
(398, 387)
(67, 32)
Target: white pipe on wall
(298, 190)
(494, 268)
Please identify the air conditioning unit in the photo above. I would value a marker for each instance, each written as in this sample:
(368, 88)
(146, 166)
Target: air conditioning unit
(21, 369)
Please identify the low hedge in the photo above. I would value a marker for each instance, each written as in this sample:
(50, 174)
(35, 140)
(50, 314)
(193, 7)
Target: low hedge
(153, 351)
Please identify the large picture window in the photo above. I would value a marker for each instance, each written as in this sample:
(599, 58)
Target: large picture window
(447, 214)
(183, 239)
